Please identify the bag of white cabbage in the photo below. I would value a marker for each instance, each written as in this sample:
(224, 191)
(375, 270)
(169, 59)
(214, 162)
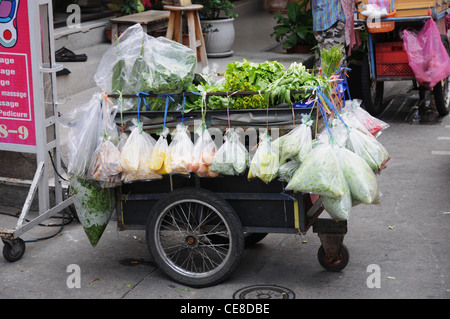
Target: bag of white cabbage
(136, 154)
(266, 160)
(181, 150)
(232, 157)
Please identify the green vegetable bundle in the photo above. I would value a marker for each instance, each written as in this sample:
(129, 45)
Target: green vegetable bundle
(296, 78)
(94, 205)
(331, 59)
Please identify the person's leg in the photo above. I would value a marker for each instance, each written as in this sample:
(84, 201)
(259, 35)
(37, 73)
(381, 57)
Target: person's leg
(333, 36)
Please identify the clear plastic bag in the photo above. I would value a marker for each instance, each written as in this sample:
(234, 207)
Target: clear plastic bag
(372, 151)
(105, 165)
(136, 154)
(266, 160)
(372, 124)
(287, 170)
(203, 154)
(339, 208)
(232, 157)
(86, 125)
(427, 55)
(297, 144)
(160, 160)
(139, 62)
(320, 173)
(94, 205)
(360, 178)
(181, 149)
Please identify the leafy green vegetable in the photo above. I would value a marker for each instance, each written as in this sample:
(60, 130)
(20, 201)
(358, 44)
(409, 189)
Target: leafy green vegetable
(331, 59)
(94, 206)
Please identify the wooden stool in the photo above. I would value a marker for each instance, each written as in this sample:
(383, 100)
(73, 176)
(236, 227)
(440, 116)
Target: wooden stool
(196, 39)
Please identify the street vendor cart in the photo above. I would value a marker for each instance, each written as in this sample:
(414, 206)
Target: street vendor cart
(197, 228)
(386, 58)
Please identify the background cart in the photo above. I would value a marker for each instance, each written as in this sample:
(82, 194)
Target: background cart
(197, 228)
(386, 58)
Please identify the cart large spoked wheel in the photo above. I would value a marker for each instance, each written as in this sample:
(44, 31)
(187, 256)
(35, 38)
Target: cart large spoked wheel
(179, 235)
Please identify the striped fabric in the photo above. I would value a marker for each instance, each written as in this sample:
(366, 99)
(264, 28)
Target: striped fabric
(326, 13)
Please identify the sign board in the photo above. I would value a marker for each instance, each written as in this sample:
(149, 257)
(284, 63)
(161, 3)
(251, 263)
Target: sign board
(17, 118)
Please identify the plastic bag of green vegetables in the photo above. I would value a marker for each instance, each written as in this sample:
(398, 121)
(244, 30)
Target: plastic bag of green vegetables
(297, 144)
(360, 178)
(371, 150)
(266, 160)
(320, 173)
(232, 157)
(287, 170)
(339, 208)
(94, 205)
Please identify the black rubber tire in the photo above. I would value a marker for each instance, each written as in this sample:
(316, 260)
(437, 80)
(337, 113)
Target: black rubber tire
(441, 89)
(372, 92)
(337, 264)
(178, 237)
(14, 251)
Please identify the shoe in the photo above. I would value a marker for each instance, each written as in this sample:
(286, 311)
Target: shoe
(65, 55)
(63, 72)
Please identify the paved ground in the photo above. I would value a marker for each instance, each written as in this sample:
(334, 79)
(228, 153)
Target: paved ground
(405, 239)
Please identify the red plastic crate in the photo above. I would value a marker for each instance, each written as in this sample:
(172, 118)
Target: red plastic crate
(392, 60)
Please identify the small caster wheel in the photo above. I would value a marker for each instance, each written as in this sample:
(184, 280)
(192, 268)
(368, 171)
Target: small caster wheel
(334, 263)
(13, 250)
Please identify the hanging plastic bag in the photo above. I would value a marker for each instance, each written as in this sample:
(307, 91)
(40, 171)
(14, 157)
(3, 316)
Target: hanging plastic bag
(297, 144)
(372, 151)
(320, 173)
(160, 160)
(94, 206)
(339, 208)
(86, 127)
(287, 170)
(266, 160)
(427, 55)
(232, 157)
(203, 153)
(360, 178)
(181, 149)
(353, 110)
(136, 154)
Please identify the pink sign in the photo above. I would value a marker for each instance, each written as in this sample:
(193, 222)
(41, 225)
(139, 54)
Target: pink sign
(17, 124)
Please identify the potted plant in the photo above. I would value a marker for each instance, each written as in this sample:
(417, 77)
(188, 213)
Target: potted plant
(295, 29)
(217, 20)
(125, 7)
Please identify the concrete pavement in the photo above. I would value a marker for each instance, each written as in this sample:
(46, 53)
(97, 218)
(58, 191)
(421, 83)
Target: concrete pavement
(404, 240)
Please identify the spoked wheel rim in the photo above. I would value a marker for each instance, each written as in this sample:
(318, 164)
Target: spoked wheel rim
(182, 238)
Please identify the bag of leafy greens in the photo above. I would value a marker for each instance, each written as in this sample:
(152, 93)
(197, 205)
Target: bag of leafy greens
(360, 178)
(297, 143)
(320, 173)
(371, 150)
(94, 205)
(232, 157)
(288, 170)
(266, 160)
(339, 208)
